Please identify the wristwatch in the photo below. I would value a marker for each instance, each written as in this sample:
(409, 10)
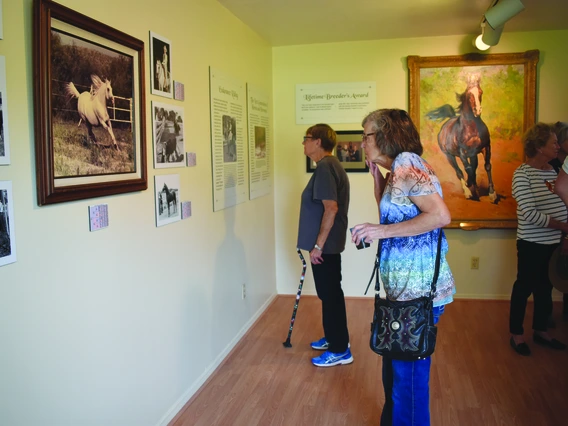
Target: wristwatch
(318, 247)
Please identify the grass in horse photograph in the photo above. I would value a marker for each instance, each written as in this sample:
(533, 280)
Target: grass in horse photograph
(92, 134)
(471, 125)
(74, 155)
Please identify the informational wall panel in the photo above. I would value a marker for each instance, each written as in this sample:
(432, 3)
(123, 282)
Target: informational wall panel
(335, 102)
(228, 110)
(259, 142)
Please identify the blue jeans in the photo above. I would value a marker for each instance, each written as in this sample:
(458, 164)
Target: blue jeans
(407, 391)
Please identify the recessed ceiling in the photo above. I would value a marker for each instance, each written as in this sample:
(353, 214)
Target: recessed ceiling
(289, 22)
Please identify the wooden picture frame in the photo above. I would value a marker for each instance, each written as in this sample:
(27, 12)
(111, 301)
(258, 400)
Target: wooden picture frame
(348, 151)
(494, 96)
(86, 73)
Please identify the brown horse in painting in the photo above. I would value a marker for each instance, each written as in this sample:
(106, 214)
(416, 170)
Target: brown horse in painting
(465, 136)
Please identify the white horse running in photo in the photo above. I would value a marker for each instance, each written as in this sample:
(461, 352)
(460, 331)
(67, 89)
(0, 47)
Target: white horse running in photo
(92, 106)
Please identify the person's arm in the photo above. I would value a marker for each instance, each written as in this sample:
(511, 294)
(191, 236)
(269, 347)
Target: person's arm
(434, 214)
(329, 211)
(561, 186)
(523, 194)
(379, 181)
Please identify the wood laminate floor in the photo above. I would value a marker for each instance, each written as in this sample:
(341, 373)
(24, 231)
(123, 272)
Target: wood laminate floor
(476, 378)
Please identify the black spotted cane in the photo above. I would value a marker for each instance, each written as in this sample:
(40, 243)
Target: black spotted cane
(287, 343)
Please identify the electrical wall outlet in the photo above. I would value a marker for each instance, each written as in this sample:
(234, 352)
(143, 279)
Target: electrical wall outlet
(475, 262)
(244, 291)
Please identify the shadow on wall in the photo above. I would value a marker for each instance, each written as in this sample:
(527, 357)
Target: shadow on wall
(228, 309)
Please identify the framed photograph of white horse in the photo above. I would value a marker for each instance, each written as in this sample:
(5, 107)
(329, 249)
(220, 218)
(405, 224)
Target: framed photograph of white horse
(4, 133)
(471, 111)
(89, 107)
(161, 65)
(169, 141)
(7, 236)
(168, 204)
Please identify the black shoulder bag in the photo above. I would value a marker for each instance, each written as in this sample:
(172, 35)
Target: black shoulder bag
(404, 330)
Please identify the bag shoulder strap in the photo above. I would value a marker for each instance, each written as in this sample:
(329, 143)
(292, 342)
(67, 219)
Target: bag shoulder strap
(376, 268)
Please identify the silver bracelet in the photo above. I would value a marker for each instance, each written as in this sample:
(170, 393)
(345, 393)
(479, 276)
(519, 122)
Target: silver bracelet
(318, 247)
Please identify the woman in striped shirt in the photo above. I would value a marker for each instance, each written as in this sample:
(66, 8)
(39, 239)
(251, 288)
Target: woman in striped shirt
(541, 216)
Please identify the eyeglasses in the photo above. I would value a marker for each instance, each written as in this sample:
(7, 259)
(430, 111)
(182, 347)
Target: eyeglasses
(364, 136)
(308, 137)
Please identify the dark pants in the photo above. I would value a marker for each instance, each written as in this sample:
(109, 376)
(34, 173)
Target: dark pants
(407, 389)
(327, 277)
(532, 277)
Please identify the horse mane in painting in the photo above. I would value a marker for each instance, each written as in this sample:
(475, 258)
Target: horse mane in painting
(464, 136)
(92, 106)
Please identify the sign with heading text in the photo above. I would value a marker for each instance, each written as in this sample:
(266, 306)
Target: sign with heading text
(335, 102)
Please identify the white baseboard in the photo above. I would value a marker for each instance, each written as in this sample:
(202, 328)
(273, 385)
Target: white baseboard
(178, 405)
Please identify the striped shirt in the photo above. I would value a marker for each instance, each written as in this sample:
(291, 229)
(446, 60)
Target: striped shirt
(536, 205)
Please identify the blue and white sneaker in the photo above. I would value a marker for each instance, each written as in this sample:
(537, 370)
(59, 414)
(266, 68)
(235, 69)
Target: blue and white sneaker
(329, 359)
(320, 345)
(323, 345)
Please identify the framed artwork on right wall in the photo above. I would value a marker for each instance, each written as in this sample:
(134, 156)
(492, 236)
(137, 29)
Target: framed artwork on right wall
(471, 111)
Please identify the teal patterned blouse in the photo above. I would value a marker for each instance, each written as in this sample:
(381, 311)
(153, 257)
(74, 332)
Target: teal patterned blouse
(407, 263)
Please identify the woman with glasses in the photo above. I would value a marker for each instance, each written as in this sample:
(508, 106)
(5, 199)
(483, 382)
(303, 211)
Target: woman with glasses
(412, 213)
(322, 232)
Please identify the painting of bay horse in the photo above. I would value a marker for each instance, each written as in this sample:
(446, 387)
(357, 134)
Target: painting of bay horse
(465, 135)
(92, 106)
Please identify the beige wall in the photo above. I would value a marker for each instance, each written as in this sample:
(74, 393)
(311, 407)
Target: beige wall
(121, 326)
(93, 329)
(384, 61)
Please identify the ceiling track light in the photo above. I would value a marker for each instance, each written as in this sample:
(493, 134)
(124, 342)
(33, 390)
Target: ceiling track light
(501, 12)
(493, 22)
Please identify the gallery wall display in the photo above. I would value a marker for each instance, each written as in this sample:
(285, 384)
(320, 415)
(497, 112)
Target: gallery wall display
(4, 133)
(348, 151)
(168, 202)
(89, 96)
(168, 131)
(161, 66)
(485, 102)
(259, 142)
(335, 102)
(227, 103)
(7, 235)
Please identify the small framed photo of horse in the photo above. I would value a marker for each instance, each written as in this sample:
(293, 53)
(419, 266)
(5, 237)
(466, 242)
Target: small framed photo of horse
(471, 111)
(7, 236)
(169, 140)
(4, 133)
(168, 204)
(161, 65)
(89, 107)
